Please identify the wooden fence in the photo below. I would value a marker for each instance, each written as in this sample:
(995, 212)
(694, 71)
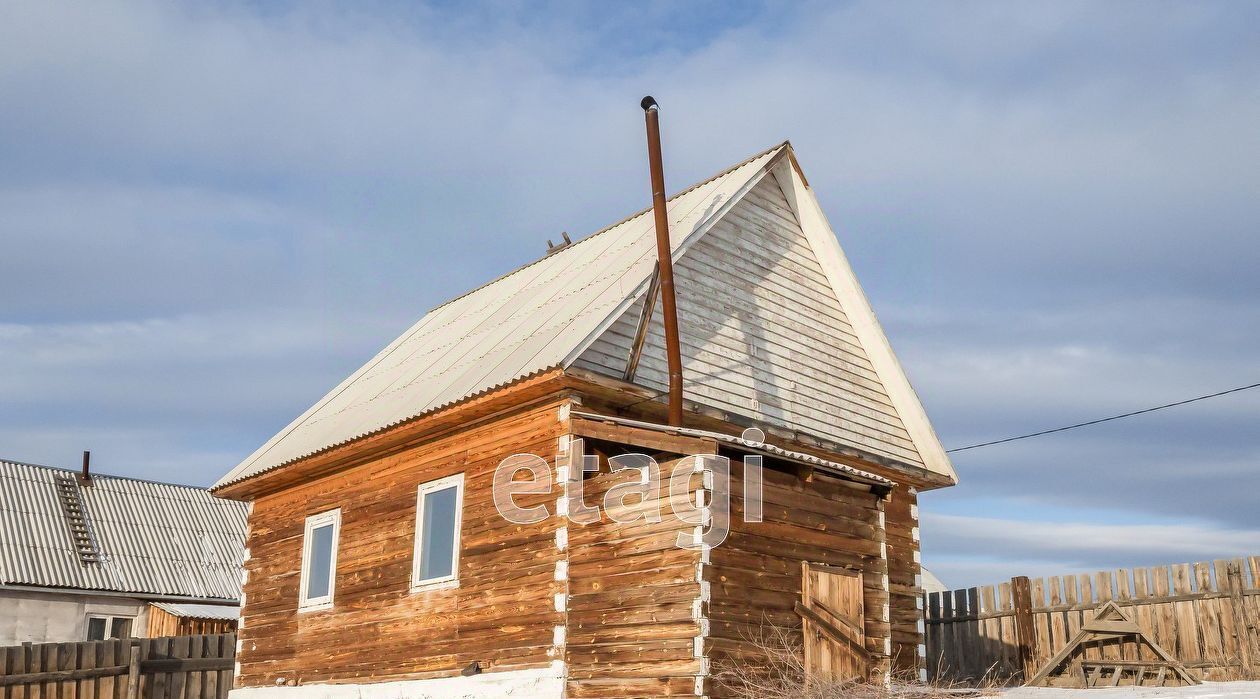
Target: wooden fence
(178, 667)
(1206, 614)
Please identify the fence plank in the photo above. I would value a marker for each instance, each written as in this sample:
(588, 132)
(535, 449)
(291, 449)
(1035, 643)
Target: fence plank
(178, 680)
(228, 645)
(1123, 592)
(975, 659)
(34, 663)
(11, 658)
(1058, 620)
(1240, 623)
(1025, 633)
(1073, 618)
(956, 606)
(67, 659)
(935, 637)
(49, 688)
(210, 684)
(1213, 615)
(1103, 587)
(87, 661)
(135, 651)
(1010, 644)
(1188, 646)
(105, 658)
(160, 648)
(194, 678)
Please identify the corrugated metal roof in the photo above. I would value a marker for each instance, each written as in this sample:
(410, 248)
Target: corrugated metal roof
(154, 538)
(218, 612)
(523, 323)
(835, 467)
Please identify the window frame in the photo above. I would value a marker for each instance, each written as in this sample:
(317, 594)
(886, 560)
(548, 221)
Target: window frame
(313, 522)
(445, 581)
(109, 620)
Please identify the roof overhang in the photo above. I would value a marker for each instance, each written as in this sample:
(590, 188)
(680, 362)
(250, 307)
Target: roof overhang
(835, 468)
(185, 610)
(522, 394)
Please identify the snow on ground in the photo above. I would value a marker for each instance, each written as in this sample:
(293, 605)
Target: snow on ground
(1207, 690)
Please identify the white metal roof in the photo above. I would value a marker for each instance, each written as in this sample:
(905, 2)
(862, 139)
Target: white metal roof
(525, 322)
(545, 314)
(217, 612)
(154, 538)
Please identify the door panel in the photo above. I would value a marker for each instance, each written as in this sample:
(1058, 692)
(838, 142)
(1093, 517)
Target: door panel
(831, 610)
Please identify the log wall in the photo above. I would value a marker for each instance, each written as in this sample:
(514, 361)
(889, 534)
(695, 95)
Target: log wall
(502, 615)
(901, 515)
(755, 576)
(632, 614)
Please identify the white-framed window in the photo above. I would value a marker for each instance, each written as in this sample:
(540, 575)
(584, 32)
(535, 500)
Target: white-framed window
(102, 627)
(319, 560)
(439, 509)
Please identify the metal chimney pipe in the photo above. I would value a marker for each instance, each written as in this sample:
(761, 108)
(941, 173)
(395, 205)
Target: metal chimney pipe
(664, 253)
(86, 477)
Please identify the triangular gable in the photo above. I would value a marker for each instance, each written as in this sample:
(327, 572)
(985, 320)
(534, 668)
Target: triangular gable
(845, 284)
(776, 328)
(521, 324)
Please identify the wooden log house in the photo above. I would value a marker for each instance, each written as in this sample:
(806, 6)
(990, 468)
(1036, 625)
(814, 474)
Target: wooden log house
(378, 562)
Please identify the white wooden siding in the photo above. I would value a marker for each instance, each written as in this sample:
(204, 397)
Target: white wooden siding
(763, 334)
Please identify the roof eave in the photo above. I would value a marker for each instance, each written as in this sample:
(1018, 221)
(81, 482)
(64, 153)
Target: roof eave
(519, 394)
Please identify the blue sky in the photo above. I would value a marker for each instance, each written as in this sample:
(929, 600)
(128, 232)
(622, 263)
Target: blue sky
(211, 214)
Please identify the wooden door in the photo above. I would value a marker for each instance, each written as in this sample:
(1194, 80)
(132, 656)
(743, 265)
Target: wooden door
(831, 612)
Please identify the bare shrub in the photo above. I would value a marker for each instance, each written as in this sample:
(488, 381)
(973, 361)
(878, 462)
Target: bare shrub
(775, 669)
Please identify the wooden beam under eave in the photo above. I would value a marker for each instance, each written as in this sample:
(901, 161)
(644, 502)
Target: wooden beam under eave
(638, 437)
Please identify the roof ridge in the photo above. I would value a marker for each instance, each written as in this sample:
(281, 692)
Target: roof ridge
(103, 475)
(605, 229)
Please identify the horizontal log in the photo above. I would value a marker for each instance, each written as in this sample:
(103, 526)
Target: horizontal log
(186, 664)
(64, 675)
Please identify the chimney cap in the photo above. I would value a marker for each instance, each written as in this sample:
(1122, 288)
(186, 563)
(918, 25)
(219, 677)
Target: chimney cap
(649, 103)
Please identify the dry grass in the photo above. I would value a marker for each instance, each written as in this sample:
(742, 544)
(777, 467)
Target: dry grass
(780, 674)
(1222, 668)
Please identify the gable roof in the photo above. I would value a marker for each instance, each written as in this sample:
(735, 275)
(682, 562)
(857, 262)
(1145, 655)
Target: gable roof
(154, 538)
(546, 314)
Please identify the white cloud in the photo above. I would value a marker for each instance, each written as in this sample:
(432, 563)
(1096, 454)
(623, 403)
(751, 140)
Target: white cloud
(979, 550)
(1060, 540)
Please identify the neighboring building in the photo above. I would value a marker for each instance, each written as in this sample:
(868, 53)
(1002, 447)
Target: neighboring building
(112, 557)
(379, 565)
(931, 583)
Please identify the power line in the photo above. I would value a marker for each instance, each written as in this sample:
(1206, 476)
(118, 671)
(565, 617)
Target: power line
(1105, 419)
